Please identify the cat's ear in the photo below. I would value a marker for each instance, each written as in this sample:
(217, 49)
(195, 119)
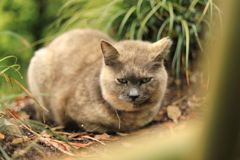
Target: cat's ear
(162, 47)
(110, 54)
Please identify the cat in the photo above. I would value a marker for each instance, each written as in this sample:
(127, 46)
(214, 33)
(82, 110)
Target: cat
(99, 85)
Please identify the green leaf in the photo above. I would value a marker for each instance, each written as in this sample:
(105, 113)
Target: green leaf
(162, 28)
(4, 154)
(133, 29)
(112, 19)
(143, 24)
(125, 19)
(203, 14)
(16, 36)
(187, 14)
(172, 16)
(194, 27)
(177, 56)
(186, 29)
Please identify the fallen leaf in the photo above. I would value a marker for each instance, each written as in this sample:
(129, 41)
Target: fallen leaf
(75, 135)
(79, 145)
(20, 101)
(23, 116)
(168, 124)
(21, 140)
(159, 118)
(2, 136)
(195, 101)
(103, 136)
(191, 113)
(46, 135)
(57, 128)
(9, 126)
(19, 152)
(122, 134)
(174, 112)
(94, 139)
(57, 144)
(62, 146)
(14, 114)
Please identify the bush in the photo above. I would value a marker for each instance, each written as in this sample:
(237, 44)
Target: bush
(182, 20)
(22, 24)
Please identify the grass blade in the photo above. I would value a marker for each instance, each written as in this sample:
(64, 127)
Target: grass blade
(17, 36)
(219, 14)
(162, 28)
(143, 24)
(194, 27)
(112, 19)
(203, 14)
(7, 57)
(139, 8)
(177, 57)
(4, 154)
(186, 29)
(190, 8)
(125, 19)
(172, 16)
(133, 29)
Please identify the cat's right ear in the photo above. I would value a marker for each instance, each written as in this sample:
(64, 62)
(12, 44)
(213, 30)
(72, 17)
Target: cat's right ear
(110, 54)
(162, 48)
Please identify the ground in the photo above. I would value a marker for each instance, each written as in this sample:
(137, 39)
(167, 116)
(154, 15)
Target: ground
(18, 140)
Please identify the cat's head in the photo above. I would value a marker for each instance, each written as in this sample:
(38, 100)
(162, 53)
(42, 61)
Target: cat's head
(133, 76)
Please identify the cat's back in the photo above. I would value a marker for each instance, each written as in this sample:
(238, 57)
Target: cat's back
(66, 56)
(78, 44)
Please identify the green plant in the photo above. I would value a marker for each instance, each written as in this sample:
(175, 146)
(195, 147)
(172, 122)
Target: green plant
(22, 24)
(181, 20)
(9, 123)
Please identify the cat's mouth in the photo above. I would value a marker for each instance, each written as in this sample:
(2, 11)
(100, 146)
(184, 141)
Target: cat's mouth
(135, 101)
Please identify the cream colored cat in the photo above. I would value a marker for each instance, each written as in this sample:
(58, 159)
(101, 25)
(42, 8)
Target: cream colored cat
(101, 85)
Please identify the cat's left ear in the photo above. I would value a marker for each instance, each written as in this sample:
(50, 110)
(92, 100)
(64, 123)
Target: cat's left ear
(162, 48)
(109, 52)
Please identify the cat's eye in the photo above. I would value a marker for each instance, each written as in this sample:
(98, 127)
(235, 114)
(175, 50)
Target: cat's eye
(121, 80)
(146, 80)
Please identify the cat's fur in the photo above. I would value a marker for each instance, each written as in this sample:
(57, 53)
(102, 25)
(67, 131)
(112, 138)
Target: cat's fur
(81, 69)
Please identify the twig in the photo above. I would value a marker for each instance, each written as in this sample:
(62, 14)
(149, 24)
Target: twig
(88, 137)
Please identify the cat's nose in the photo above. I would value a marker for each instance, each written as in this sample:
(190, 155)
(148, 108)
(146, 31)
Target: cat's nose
(134, 97)
(133, 94)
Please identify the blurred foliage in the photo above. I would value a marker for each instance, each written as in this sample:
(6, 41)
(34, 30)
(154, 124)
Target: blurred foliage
(181, 20)
(25, 25)
(21, 24)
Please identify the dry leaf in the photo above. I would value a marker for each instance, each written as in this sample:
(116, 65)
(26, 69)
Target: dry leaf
(94, 139)
(57, 128)
(46, 135)
(122, 134)
(62, 146)
(79, 145)
(174, 112)
(76, 135)
(103, 136)
(195, 101)
(2, 136)
(168, 124)
(21, 140)
(11, 127)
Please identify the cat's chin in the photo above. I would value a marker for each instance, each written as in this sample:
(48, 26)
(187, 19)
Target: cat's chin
(137, 104)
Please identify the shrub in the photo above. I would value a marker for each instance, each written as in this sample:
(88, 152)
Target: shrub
(181, 20)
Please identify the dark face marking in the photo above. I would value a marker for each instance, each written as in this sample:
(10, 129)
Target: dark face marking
(134, 90)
